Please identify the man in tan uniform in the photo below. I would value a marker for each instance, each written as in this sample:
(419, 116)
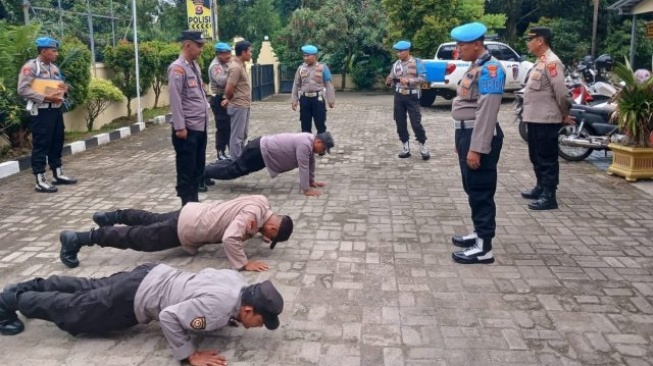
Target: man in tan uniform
(546, 108)
(196, 224)
(238, 98)
(184, 303)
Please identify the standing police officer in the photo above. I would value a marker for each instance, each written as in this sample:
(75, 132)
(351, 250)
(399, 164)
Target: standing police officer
(406, 75)
(478, 139)
(546, 108)
(190, 116)
(313, 89)
(217, 82)
(46, 114)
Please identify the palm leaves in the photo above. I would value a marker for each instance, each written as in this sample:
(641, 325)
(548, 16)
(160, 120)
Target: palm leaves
(634, 106)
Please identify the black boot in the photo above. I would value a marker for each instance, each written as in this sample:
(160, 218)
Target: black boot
(547, 200)
(71, 243)
(480, 252)
(464, 241)
(106, 218)
(9, 322)
(61, 178)
(202, 186)
(208, 181)
(533, 194)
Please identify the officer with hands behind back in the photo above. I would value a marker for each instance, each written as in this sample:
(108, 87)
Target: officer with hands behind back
(45, 108)
(478, 139)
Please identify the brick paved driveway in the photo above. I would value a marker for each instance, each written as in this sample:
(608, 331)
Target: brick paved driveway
(367, 276)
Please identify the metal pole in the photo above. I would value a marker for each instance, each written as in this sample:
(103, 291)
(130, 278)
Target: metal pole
(138, 80)
(60, 19)
(92, 37)
(595, 26)
(113, 26)
(26, 6)
(633, 43)
(214, 13)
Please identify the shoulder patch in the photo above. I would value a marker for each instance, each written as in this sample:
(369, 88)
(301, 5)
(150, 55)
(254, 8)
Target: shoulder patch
(198, 323)
(553, 69)
(26, 70)
(492, 79)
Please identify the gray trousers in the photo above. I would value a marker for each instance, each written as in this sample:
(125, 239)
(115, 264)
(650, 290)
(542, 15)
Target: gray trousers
(239, 129)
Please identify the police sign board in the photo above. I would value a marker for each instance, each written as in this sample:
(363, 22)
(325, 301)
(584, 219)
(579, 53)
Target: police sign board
(199, 17)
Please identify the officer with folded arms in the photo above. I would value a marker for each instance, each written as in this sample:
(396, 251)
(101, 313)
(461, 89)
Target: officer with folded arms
(406, 75)
(478, 139)
(183, 303)
(312, 90)
(46, 114)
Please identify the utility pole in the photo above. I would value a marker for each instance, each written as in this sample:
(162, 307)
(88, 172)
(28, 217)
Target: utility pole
(89, 19)
(214, 13)
(26, 6)
(595, 26)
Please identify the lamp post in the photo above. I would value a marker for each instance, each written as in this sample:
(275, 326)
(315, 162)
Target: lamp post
(595, 26)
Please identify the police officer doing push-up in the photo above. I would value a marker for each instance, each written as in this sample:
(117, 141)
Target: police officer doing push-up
(46, 114)
(312, 90)
(182, 303)
(406, 75)
(478, 139)
(196, 224)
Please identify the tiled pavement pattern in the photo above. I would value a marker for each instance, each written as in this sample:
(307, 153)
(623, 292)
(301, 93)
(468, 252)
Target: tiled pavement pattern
(367, 276)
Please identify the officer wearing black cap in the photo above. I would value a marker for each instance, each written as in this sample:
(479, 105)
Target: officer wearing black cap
(406, 75)
(190, 116)
(312, 90)
(478, 139)
(46, 115)
(183, 303)
(546, 109)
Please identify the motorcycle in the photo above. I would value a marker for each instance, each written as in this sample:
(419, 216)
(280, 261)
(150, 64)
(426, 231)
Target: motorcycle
(592, 131)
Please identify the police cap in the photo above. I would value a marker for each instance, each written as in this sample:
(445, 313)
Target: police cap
(222, 47)
(543, 32)
(402, 46)
(46, 42)
(469, 32)
(309, 49)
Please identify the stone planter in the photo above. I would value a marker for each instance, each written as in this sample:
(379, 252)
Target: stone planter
(632, 163)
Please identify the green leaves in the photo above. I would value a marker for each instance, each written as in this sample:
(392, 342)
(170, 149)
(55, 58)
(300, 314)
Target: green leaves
(101, 94)
(634, 106)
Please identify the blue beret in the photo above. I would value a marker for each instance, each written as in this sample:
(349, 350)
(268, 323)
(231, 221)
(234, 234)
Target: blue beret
(309, 49)
(46, 42)
(222, 47)
(468, 32)
(402, 46)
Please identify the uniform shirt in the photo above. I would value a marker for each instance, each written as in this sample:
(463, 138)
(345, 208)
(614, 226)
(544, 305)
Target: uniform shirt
(287, 151)
(545, 94)
(237, 75)
(478, 99)
(188, 102)
(229, 223)
(306, 81)
(400, 69)
(28, 74)
(218, 76)
(186, 302)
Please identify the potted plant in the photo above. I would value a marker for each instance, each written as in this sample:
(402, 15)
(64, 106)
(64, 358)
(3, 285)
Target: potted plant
(633, 157)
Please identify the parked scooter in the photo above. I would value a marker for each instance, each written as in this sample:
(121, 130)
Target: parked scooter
(592, 131)
(593, 73)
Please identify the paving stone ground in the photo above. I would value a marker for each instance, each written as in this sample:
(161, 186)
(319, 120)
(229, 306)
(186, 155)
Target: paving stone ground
(367, 276)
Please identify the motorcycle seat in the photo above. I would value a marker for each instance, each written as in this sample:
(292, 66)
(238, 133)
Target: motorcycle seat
(602, 112)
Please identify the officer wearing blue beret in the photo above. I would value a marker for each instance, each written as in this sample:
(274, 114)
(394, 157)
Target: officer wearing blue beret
(45, 107)
(478, 139)
(406, 75)
(312, 90)
(217, 83)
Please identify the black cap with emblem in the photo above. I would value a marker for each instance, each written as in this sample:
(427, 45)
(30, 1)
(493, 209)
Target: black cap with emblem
(191, 35)
(543, 32)
(266, 301)
(285, 230)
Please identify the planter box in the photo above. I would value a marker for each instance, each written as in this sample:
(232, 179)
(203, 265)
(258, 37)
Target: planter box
(632, 163)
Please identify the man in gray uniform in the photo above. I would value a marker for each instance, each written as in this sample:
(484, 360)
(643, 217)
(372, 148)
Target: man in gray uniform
(46, 114)
(546, 108)
(478, 139)
(406, 75)
(217, 82)
(195, 225)
(182, 303)
(190, 116)
(312, 90)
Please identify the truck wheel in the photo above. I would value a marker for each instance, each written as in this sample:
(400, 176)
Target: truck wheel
(427, 98)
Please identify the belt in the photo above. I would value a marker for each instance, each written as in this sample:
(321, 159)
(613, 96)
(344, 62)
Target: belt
(47, 105)
(406, 91)
(312, 94)
(464, 124)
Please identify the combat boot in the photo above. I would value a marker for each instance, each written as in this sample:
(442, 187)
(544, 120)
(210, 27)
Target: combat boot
(480, 252)
(424, 152)
(202, 188)
(42, 184)
(61, 178)
(71, 243)
(533, 194)
(464, 241)
(405, 150)
(546, 201)
(9, 322)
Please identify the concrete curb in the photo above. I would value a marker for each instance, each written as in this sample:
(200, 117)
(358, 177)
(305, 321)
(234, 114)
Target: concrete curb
(15, 166)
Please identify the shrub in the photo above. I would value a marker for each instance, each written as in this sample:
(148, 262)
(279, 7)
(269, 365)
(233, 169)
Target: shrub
(101, 93)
